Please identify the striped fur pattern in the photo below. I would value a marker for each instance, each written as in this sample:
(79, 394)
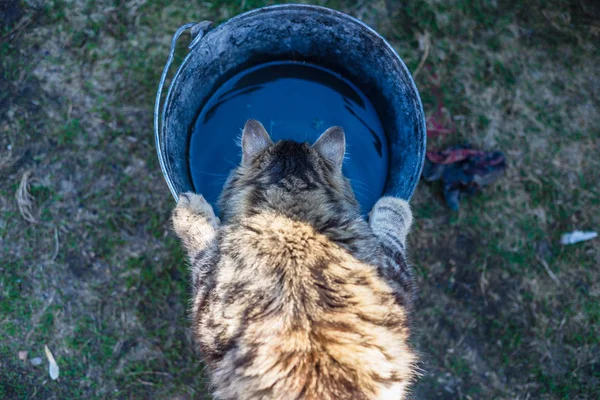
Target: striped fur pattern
(296, 296)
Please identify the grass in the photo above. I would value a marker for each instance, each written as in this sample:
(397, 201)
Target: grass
(101, 280)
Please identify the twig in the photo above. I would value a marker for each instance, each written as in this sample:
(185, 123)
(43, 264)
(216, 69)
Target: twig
(38, 315)
(427, 44)
(482, 283)
(593, 361)
(359, 5)
(460, 340)
(151, 373)
(7, 161)
(21, 24)
(56, 245)
(548, 270)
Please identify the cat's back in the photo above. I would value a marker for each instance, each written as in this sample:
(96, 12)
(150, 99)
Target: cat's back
(296, 315)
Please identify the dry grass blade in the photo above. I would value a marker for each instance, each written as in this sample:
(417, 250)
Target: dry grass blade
(23, 23)
(548, 270)
(6, 161)
(424, 44)
(25, 199)
(56, 245)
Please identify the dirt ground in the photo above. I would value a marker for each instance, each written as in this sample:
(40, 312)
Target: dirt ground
(89, 267)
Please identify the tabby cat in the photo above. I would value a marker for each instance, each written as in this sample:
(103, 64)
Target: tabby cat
(295, 295)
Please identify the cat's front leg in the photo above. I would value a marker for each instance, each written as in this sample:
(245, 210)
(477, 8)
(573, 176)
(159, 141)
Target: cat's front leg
(195, 222)
(390, 221)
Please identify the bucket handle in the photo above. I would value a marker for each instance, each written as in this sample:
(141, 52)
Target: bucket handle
(198, 31)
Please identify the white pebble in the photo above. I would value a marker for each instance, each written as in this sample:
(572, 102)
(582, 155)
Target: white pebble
(36, 361)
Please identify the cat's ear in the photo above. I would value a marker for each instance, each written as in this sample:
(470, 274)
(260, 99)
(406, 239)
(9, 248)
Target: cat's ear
(254, 140)
(332, 145)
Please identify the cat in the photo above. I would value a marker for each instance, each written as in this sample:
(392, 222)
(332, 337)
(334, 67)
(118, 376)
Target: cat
(295, 295)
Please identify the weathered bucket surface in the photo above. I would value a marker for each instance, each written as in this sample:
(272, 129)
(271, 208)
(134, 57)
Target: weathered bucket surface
(295, 32)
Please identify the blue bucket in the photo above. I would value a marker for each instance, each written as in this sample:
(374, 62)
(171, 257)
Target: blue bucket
(302, 33)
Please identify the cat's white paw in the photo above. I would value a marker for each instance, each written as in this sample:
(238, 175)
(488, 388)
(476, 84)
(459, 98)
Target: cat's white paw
(191, 213)
(195, 203)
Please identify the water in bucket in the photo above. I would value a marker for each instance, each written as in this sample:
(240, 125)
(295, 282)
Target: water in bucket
(296, 101)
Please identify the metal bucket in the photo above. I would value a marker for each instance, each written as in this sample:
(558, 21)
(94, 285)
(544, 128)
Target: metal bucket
(296, 32)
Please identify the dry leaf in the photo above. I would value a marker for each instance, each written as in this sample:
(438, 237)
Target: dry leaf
(53, 368)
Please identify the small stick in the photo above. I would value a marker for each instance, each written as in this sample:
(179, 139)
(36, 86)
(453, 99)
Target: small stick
(425, 55)
(548, 270)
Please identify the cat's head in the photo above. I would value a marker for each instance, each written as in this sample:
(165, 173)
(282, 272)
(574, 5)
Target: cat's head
(288, 177)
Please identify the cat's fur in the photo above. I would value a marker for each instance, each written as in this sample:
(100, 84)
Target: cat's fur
(296, 296)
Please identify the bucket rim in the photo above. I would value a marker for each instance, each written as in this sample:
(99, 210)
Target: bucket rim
(161, 109)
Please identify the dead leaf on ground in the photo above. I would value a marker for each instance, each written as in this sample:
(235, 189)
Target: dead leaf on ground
(23, 355)
(53, 367)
